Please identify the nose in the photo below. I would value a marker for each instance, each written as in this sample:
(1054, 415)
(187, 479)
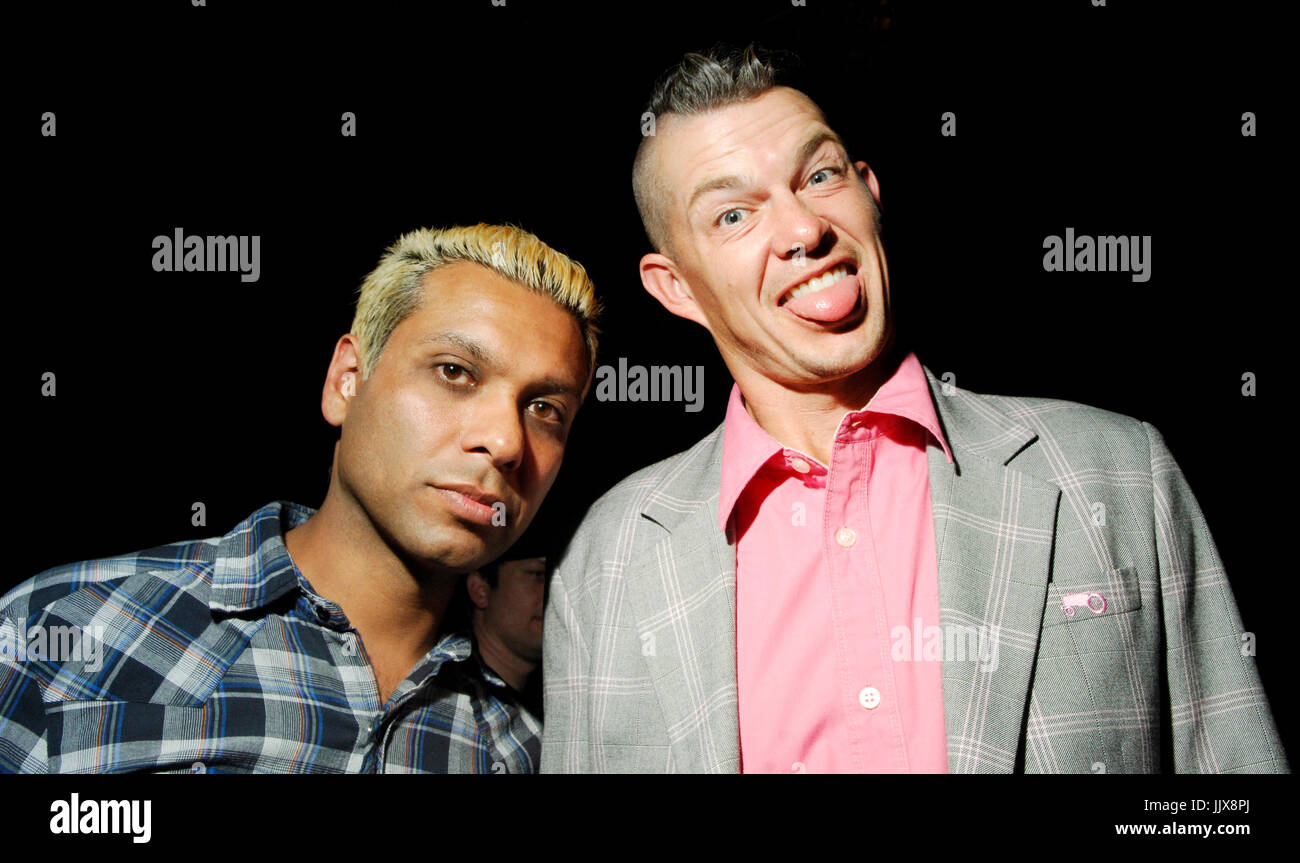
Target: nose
(495, 428)
(798, 228)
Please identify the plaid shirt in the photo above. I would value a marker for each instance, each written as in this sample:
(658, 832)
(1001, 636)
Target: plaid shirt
(217, 656)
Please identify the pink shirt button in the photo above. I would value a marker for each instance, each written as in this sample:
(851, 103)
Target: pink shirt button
(869, 697)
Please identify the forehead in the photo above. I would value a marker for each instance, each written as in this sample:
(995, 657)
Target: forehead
(761, 133)
(515, 322)
(466, 290)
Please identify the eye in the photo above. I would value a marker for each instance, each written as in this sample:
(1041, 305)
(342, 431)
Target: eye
(547, 412)
(454, 374)
(726, 218)
(824, 172)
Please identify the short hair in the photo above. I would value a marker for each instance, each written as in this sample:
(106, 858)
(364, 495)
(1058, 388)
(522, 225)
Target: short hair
(393, 291)
(698, 84)
(537, 541)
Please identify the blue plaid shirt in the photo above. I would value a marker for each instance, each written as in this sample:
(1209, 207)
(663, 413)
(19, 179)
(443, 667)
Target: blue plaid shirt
(217, 656)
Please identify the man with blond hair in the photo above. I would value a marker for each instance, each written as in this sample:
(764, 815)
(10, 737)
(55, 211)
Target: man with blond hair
(313, 641)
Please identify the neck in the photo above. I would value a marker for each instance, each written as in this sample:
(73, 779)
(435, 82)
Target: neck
(511, 667)
(397, 611)
(807, 419)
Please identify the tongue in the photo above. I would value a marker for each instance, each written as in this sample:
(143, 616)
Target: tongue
(828, 304)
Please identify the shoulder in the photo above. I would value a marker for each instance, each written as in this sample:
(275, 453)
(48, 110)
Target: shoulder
(629, 519)
(183, 565)
(1077, 431)
(682, 478)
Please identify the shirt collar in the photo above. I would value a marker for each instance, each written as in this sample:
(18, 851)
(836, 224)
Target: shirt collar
(252, 567)
(907, 394)
(486, 671)
(453, 646)
(746, 447)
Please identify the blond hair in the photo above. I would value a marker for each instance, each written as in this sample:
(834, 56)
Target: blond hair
(393, 291)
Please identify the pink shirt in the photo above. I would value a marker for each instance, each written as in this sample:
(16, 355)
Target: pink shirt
(830, 563)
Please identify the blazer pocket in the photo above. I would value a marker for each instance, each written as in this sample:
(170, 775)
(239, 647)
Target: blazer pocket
(1078, 602)
(103, 736)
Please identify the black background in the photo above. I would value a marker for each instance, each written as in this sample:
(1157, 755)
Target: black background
(174, 388)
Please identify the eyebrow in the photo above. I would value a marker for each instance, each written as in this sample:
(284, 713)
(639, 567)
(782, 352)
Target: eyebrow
(731, 181)
(548, 385)
(803, 153)
(450, 337)
(554, 386)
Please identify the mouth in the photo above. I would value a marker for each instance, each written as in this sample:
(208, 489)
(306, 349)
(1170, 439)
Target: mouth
(473, 503)
(818, 282)
(828, 297)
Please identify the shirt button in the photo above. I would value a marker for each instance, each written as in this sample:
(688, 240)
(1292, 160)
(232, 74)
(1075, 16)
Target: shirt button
(869, 697)
(845, 537)
(198, 767)
(800, 465)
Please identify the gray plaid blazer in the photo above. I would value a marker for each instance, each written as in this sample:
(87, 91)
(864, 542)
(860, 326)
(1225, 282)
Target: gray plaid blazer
(1045, 499)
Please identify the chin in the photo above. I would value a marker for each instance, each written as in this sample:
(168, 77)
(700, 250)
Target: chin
(461, 550)
(831, 368)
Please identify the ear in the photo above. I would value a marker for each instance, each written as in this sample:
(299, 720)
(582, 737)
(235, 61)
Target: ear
(342, 381)
(869, 177)
(661, 278)
(477, 588)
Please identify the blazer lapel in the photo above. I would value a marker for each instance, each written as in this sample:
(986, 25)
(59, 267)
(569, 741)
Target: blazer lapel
(683, 598)
(994, 528)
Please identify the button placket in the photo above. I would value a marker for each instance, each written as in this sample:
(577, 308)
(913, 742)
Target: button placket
(854, 567)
